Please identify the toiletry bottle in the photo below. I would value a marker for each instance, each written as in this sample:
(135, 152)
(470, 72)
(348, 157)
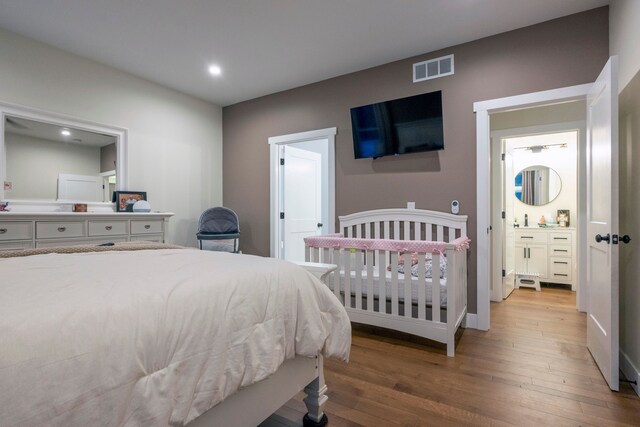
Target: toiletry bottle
(526, 220)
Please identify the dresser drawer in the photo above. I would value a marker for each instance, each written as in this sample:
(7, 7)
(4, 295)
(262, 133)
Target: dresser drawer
(58, 230)
(531, 237)
(18, 230)
(107, 228)
(157, 238)
(560, 265)
(560, 250)
(16, 246)
(146, 227)
(560, 237)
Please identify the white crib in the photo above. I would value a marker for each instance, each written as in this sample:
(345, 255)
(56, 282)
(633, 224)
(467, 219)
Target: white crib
(371, 249)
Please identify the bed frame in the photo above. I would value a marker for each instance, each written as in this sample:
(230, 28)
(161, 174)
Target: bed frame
(362, 256)
(252, 405)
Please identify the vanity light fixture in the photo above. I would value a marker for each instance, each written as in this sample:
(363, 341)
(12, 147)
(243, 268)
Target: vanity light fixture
(65, 132)
(215, 70)
(539, 148)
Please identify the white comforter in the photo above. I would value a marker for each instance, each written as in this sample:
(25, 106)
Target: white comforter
(151, 337)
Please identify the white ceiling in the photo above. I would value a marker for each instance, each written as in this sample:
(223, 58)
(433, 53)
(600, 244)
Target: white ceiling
(265, 46)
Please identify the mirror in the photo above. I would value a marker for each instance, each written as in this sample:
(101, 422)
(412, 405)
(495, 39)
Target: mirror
(537, 185)
(50, 158)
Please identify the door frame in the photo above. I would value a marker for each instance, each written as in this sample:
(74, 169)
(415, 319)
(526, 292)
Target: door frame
(483, 110)
(276, 180)
(496, 137)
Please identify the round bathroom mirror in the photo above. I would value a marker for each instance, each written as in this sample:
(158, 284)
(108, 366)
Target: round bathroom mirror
(537, 185)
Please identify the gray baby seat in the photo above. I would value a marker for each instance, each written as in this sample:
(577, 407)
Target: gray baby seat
(219, 224)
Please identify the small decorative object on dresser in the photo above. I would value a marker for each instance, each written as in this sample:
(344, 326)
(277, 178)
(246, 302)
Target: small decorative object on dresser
(141, 206)
(4, 206)
(126, 199)
(563, 217)
(80, 207)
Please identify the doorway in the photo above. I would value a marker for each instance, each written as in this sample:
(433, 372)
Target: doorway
(302, 198)
(534, 214)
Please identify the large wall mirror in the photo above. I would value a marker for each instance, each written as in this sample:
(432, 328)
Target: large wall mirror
(537, 185)
(54, 159)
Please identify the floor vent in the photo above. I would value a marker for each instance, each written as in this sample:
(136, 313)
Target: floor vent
(433, 68)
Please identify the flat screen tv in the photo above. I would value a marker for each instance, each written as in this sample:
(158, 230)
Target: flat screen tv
(399, 126)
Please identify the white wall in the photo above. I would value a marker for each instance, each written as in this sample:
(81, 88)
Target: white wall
(33, 165)
(624, 37)
(175, 141)
(564, 162)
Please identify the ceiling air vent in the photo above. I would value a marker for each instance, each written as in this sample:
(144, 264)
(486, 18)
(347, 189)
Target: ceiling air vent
(433, 68)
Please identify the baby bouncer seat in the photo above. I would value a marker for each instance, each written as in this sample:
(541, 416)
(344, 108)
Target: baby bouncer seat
(219, 224)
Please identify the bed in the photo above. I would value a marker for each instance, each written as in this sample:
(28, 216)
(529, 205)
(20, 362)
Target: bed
(400, 269)
(147, 335)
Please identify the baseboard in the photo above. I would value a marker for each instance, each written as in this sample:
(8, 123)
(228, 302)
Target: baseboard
(471, 321)
(630, 371)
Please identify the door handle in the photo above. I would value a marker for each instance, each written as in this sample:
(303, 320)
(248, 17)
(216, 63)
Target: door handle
(319, 224)
(625, 238)
(600, 238)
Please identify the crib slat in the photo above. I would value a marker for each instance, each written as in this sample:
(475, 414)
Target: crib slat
(336, 258)
(407, 285)
(359, 231)
(417, 226)
(421, 282)
(307, 253)
(396, 230)
(407, 230)
(367, 230)
(394, 283)
(350, 231)
(346, 257)
(440, 231)
(358, 282)
(370, 295)
(325, 256)
(387, 232)
(452, 234)
(428, 232)
(435, 287)
(382, 274)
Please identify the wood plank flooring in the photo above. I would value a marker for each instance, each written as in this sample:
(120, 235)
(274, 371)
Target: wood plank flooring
(531, 368)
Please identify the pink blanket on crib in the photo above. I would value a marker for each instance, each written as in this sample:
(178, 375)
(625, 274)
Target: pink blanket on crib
(337, 241)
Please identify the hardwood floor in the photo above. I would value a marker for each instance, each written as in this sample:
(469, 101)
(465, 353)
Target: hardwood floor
(531, 368)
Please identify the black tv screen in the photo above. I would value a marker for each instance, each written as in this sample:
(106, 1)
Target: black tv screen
(399, 126)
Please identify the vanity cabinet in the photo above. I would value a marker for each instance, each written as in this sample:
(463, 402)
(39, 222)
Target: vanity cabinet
(531, 253)
(39, 230)
(549, 252)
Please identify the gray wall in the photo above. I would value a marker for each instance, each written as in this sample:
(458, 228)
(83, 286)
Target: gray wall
(563, 52)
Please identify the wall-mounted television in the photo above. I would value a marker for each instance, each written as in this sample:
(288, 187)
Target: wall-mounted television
(399, 126)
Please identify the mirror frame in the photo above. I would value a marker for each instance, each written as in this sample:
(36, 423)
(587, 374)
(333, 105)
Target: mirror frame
(120, 134)
(539, 166)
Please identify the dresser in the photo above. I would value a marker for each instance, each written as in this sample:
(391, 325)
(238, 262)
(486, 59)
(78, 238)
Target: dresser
(547, 252)
(41, 230)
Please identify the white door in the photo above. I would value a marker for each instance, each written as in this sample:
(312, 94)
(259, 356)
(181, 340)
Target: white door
(602, 222)
(509, 231)
(302, 200)
(85, 188)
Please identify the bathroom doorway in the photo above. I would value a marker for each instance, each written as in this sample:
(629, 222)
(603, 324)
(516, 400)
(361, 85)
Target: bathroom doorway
(535, 195)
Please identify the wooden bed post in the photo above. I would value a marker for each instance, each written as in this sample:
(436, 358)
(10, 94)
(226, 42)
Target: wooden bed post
(316, 399)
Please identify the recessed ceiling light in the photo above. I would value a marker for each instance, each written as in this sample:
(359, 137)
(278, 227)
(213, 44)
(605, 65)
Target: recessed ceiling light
(65, 132)
(215, 70)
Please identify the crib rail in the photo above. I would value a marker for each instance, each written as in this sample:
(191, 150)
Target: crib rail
(364, 267)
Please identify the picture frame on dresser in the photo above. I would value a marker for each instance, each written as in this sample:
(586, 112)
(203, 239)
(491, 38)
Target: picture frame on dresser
(126, 199)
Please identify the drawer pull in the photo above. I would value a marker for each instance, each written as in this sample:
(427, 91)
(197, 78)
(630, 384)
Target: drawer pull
(108, 227)
(560, 262)
(147, 226)
(526, 237)
(560, 250)
(3, 230)
(560, 238)
(62, 229)
(560, 274)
